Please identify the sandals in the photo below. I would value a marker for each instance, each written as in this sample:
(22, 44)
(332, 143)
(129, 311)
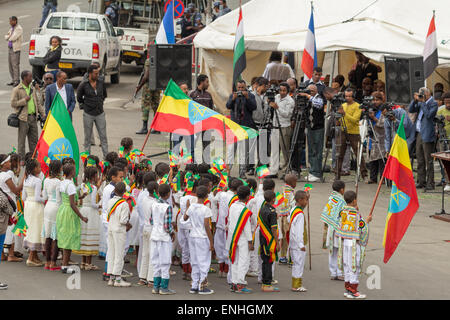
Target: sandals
(301, 289)
(83, 266)
(91, 267)
(34, 264)
(14, 259)
(18, 254)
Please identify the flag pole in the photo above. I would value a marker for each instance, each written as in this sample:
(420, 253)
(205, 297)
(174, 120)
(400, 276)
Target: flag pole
(146, 138)
(376, 196)
(309, 238)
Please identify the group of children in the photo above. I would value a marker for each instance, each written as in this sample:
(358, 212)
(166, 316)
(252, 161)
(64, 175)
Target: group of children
(167, 213)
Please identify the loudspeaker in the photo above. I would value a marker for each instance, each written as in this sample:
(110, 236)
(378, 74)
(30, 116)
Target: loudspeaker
(170, 61)
(404, 76)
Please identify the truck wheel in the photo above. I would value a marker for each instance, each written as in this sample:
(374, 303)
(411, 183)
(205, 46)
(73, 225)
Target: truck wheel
(115, 78)
(37, 72)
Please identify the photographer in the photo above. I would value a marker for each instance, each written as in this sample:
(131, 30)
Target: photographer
(392, 119)
(258, 117)
(376, 145)
(242, 104)
(426, 107)
(316, 124)
(25, 102)
(283, 107)
(351, 114)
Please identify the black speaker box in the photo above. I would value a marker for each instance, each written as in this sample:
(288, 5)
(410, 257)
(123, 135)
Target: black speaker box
(170, 61)
(404, 76)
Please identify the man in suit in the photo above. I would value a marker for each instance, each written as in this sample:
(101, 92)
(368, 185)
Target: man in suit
(426, 107)
(64, 89)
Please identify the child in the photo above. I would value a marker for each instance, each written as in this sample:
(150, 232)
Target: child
(239, 240)
(286, 207)
(68, 228)
(162, 237)
(200, 241)
(115, 176)
(298, 239)
(52, 195)
(147, 201)
(126, 145)
(330, 216)
(353, 234)
(90, 236)
(13, 190)
(252, 205)
(118, 225)
(33, 212)
(183, 230)
(268, 230)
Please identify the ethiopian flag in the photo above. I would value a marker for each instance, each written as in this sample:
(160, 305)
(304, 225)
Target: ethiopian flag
(239, 60)
(403, 203)
(177, 113)
(58, 139)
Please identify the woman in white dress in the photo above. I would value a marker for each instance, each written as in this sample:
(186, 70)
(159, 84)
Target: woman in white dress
(33, 212)
(7, 184)
(90, 236)
(53, 197)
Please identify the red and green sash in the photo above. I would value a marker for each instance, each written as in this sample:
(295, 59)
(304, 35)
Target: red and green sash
(271, 241)
(257, 223)
(294, 214)
(243, 218)
(114, 207)
(176, 219)
(232, 200)
(206, 202)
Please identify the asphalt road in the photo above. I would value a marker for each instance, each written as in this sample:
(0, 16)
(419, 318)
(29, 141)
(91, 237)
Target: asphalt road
(418, 270)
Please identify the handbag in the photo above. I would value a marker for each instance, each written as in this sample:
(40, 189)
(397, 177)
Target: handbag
(13, 118)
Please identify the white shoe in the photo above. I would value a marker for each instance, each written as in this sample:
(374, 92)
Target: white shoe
(126, 274)
(252, 274)
(312, 178)
(447, 188)
(110, 282)
(121, 283)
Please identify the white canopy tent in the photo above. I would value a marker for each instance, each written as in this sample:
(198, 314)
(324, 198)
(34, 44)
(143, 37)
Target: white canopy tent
(374, 27)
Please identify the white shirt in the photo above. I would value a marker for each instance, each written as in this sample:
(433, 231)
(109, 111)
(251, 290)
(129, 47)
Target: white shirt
(276, 70)
(107, 191)
(285, 110)
(146, 210)
(224, 199)
(197, 214)
(139, 206)
(32, 182)
(91, 199)
(5, 176)
(296, 232)
(51, 190)
(68, 187)
(62, 93)
(246, 235)
(120, 217)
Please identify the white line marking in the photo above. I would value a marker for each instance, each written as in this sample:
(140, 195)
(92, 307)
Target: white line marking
(2, 92)
(24, 16)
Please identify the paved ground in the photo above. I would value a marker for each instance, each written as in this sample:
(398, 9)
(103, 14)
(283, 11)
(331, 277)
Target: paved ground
(418, 270)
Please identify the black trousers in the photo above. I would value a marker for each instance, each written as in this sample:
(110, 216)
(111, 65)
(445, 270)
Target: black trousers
(376, 168)
(298, 156)
(266, 269)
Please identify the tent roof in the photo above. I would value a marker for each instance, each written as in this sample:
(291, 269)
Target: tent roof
(378, 26)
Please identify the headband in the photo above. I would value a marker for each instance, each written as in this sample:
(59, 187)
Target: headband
(6, 160)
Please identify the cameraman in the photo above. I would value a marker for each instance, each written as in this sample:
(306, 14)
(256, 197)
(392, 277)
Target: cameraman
(376, 145)
(351, 114)
(426, 107)
(283, 107)
(261, 143)
(316, 124)
(392, 119)
(242, 104)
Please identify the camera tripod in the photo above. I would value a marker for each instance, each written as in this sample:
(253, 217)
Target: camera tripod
(300, 121)
(365, 138)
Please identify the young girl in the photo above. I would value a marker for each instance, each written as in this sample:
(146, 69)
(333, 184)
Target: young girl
(33, 212)
(53, 197)
(9, 187)
(90, 236)
(68, 218)
(134, 234)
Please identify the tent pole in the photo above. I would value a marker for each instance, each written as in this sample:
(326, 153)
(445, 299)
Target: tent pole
(328, 103)
(196, 52)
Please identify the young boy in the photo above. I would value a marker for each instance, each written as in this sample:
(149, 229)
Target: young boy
(286, 208)
(252, 205)
(239, 240)
(353, 233)
(200, 241)
(115, 175)
(268, 230)
(220, 236)
(162, 237)
(118, 225)
(126, 145)
(330, 216)
(146, 268)
(298, 239)
(183, 231)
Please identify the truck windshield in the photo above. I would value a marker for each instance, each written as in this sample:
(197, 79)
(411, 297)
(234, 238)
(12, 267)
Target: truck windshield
(70, 23)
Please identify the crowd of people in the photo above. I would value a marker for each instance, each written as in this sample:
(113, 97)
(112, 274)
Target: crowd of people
(171, 216)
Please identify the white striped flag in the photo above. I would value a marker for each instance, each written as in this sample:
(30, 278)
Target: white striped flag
(309, 58)
(239, 59)
(166, 31)
(430, 53)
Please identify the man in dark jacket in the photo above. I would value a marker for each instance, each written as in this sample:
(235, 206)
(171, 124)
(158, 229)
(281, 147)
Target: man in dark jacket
(64, 89)
(426, 107)
(90, 95)
(242, 104)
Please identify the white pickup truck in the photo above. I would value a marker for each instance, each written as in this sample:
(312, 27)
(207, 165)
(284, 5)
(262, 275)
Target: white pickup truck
(86, 38)
(134, 45)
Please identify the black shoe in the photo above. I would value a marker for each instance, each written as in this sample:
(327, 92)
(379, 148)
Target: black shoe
(242, 176)
(429, 188)
(272, 176)
(440, 184)
(418, 185)
(144, 129)
(155, 132)
(10, 83)
(15, 84)
(251, 172)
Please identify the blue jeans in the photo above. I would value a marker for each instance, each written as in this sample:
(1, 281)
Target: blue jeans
(2, 241)
(315, 151)
(45, 11)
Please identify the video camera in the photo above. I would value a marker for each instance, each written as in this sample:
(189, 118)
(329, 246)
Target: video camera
(440, 120)
(337, 101)
(272, 92)
(301, 102)
(367, 106)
